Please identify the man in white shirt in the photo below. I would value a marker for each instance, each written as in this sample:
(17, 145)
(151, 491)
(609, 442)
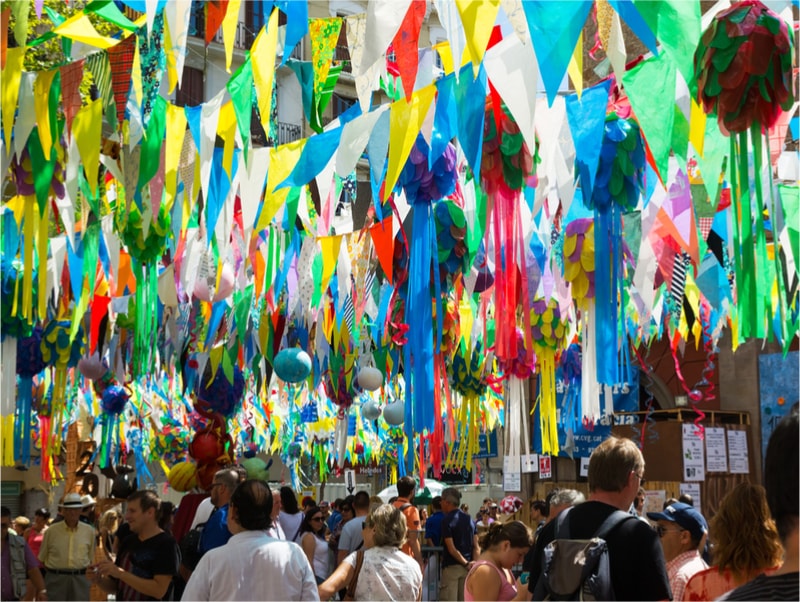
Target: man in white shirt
(252, 565)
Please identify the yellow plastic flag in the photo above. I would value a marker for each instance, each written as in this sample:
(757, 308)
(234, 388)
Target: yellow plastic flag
(330, 255)
(10, 90)
(41, 97)
(172, 62)
(226, 129)
(281, 163)
(229, 24)
(87, 129)
(575, 68)
(405, 122)
(446, 55)
(136, 75)
(323, 34)
(478, 19)
(79, 28)
(176, 130)
(697, 127)
(262, 57)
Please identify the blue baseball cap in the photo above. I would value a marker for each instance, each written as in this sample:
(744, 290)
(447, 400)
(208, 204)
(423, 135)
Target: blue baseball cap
(685, 516)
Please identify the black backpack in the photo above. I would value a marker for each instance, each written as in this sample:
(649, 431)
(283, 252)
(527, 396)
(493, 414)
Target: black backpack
(190, 547)
(577, 569)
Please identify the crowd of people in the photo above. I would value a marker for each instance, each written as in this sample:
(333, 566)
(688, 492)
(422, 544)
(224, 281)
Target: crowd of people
(245, 541)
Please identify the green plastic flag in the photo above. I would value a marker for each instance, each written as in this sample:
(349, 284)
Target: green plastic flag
(651, 90)
(676, 24)
(240, 87)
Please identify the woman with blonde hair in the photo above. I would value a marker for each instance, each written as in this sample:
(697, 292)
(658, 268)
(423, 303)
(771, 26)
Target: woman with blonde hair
(490, 578)
(107, 526)
(746, 544)
(381, 571)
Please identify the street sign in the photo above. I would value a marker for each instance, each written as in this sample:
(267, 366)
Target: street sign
(350, 480)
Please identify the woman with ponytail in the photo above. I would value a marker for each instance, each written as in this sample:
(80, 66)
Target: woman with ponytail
(503, 545)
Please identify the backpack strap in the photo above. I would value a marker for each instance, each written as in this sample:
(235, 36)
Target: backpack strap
(614, 519)
(404, 507)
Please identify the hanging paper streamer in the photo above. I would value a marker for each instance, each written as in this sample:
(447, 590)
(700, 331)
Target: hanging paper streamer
(61, 354)
(516, 373)
(548, 329)
(422, 186)
(145, 243)
(29, 363)
(618, 183)
(507, 166)
(112, 404)
(743, 67)
(467, 374)
(571, 417)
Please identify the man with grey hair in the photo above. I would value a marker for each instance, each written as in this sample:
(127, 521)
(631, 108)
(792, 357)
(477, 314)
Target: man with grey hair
(215, 532)
(563, 499)
(636, 560)
(460, 540)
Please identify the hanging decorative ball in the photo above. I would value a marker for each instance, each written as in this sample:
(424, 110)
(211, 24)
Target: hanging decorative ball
(370, 410)
(29, 354)
(620, 172)
(547, 326)
(424, 185)
(292, 365)
(92, 367)
(507, 162)
(182, 476)
(370, 379)
(221, 395)
(56, 347)
(395, 413)
(114, 399)
(519, 367)
(131, 228)
(510, 504)
(579, 258)
(256, 469)
(466, 370)
(206, 447)
(206, 287)
(571, 363)
(743, 67)
(338, 391)
(295, 450)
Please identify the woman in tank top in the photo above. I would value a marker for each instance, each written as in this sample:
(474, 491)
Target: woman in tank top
(490, 578)
(311, 538)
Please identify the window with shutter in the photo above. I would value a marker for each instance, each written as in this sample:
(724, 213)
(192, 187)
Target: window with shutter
(190, 93)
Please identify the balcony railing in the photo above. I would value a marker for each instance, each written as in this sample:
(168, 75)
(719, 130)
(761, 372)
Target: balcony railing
(289, 132)
(245, 35)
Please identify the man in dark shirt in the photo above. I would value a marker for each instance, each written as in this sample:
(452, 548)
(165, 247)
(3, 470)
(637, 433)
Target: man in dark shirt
(781, 470)
(638, 571)
(460, 540)
(433, 526)
(148, 558)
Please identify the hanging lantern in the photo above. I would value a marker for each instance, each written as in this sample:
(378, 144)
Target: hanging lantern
(182, 476)
(292, 365)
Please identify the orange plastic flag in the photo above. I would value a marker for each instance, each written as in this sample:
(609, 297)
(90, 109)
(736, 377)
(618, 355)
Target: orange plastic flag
(381, 234)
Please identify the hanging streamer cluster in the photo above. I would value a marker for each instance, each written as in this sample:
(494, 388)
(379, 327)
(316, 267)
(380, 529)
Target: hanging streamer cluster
(204, 293)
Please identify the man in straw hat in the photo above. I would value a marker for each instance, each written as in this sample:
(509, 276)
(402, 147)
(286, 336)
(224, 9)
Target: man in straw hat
(67, 550)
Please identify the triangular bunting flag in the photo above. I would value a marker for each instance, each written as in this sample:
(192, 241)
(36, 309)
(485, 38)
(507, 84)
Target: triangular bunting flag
(121, 59)
(586, 117)
(406, 45)
(478, 19)
(554, 34)
(383, 240)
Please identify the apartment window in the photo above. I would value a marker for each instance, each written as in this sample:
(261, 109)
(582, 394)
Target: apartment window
(197, 20)
(339, 104)
(190, 93)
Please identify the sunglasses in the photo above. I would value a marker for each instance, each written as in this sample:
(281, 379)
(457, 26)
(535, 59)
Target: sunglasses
(662, 530)
(364, 525)
(316, 519)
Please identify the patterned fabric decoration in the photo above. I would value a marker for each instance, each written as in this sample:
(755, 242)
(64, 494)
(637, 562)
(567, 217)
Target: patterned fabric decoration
(121, 59)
